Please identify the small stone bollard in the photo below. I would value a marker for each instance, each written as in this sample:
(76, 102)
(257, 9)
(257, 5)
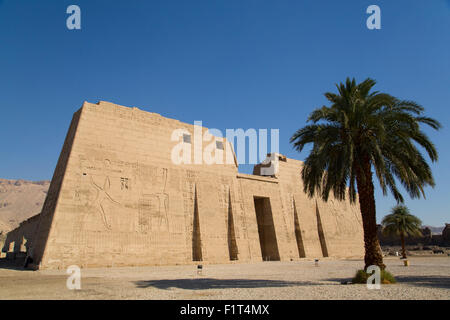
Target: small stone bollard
(199, 269)
(316, 262)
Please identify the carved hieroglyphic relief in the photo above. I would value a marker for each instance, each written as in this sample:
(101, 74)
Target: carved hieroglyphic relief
(344, 217)
(153, 210)
(154, 207)
(188, 209)
(124, 183)
(100, 192)
(101, 199)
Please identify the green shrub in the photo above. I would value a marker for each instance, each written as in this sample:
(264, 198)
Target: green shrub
(361, 277)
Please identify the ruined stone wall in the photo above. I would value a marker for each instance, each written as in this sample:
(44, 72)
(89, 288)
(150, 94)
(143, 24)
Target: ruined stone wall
(118, 199)
(20, 239)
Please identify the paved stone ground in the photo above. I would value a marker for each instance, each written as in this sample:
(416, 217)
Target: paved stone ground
(425, 278)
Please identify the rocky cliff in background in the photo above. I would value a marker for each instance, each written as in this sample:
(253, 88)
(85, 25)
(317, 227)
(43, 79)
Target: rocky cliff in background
(19, 200)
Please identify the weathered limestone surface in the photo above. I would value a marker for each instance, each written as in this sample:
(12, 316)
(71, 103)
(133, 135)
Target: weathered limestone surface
(117, 199)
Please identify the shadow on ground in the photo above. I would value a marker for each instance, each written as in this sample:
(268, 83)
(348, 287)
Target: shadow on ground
(419, 281)
(210, 283)
(10, 265)
(426, 281)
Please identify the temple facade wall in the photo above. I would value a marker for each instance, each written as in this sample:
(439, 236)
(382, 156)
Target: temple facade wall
(118, 199)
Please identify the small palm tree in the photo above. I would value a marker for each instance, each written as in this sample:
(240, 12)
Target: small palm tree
(402, 223)
(364, 130)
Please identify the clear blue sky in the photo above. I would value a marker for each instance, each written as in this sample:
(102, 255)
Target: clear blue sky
(229, 63)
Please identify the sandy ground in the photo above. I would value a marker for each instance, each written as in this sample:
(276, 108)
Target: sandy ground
(425, 278)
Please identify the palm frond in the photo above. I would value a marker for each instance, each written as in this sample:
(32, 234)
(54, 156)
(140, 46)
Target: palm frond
(364, 124)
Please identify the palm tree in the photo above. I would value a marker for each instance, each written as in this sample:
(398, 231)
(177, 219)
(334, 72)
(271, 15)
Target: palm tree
(361, 130)
(401, 222)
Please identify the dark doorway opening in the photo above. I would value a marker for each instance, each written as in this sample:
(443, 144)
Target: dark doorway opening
(266, 229)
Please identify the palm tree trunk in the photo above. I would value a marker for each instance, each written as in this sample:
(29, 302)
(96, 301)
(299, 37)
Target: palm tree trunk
(373, 254)
(402, 238)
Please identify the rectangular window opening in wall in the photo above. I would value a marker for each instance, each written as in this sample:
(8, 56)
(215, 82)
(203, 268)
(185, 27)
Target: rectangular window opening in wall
(219, 145)
(186, 138)
(266, 229)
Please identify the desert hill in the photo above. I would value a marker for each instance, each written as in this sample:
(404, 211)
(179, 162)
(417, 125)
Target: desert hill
(19, 200)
